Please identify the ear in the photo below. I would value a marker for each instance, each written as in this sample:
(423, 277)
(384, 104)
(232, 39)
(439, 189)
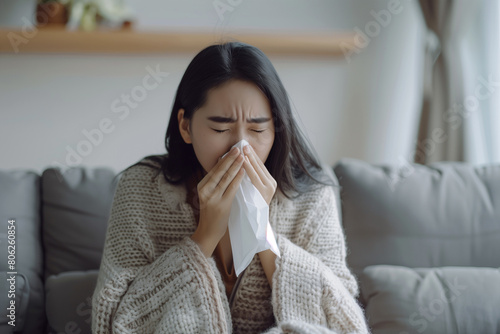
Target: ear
(184, 127)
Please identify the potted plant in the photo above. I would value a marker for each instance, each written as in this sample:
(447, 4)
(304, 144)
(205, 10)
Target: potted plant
(52, 12)
(89, 14)
(84, 14)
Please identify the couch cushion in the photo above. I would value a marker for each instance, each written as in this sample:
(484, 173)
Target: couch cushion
(69, 301)
(20, 200)
(445, 214)
(75, 207)
(431, 300)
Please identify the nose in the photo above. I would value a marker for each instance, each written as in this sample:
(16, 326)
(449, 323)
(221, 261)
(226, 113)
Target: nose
(238, 136)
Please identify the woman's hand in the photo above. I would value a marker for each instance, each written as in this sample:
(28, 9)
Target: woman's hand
(259, 175)
(216, 192)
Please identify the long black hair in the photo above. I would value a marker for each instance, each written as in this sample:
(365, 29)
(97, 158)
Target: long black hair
(291, 161)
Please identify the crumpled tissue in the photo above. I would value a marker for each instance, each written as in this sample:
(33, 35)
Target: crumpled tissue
(249, 229)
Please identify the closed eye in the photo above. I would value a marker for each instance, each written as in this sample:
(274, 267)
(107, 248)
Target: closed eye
(221, 131)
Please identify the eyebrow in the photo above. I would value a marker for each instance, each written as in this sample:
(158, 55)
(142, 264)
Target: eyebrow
(220, 119)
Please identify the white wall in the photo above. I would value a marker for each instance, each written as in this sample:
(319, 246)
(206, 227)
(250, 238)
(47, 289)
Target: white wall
(365, 108)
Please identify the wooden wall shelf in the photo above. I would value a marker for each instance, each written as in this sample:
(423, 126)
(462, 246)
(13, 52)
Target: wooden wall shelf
(59, 40)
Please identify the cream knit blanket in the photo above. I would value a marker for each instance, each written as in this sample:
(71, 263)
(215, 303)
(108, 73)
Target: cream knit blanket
(154, 279)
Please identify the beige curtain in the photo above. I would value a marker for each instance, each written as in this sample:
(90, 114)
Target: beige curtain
(445, 78)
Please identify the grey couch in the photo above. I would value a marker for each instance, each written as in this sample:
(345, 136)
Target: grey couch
(424, 243)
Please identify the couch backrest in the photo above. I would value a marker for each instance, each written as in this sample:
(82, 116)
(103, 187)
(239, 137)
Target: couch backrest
(445, 214)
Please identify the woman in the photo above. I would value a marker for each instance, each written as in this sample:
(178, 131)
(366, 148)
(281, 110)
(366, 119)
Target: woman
(167, 263)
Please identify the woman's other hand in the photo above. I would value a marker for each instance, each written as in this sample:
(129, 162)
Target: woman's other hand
(259, 175)
(216, 192)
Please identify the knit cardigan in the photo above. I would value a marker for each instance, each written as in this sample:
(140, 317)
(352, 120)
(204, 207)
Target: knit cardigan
(154, 278)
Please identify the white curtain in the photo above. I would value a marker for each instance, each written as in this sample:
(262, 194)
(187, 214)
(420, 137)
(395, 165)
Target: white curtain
(482, 128)
(449, 76)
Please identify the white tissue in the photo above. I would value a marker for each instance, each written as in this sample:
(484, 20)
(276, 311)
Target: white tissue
(249, 228)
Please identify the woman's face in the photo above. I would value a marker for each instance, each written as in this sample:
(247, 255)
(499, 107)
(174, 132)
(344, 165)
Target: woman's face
(233, 111)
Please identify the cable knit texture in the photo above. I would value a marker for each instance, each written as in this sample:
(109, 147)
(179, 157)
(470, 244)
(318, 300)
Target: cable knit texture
(154, 278)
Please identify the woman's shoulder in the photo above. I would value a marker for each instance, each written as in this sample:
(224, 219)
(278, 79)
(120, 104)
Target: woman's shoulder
(320, 198)
(311, 198)
(145, 179)
(141, 170)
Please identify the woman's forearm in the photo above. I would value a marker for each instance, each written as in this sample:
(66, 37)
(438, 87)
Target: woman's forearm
(267, 259)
